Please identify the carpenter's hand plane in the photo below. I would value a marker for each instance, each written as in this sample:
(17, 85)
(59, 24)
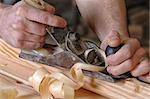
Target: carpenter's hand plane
(64, 48)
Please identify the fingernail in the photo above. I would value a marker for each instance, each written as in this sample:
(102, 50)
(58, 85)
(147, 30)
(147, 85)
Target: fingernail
(63, 23)
(114, 37)
(114, 41)
(134, 74)
(109, 70)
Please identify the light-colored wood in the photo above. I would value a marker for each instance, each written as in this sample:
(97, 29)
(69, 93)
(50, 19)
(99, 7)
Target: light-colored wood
(26, 92)
(10, 62)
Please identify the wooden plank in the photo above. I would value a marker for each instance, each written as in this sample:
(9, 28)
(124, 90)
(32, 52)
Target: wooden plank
(26, 92)
(119, 90)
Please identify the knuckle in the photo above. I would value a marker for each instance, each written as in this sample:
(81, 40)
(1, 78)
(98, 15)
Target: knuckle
(128, 53)
(19, 24)
(20, 11)
(15, 25)
(136, 41)
(142, 52)
(44, 16)
(19, 21)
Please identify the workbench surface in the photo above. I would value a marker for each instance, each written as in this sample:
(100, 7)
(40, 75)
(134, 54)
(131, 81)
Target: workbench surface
(26, 92)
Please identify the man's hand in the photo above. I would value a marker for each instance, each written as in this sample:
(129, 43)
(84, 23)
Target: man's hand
(24, 26)
(131, 57)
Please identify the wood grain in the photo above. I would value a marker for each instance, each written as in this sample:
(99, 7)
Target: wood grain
(10, 62)
(26, 92)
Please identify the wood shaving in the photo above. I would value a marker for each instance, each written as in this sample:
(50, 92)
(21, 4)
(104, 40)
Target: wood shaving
(58, 84)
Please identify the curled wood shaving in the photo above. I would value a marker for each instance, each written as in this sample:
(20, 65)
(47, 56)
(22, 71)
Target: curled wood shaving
(58, 84)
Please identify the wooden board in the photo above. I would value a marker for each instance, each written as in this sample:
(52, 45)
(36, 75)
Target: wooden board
(26, 92)
(119, 90)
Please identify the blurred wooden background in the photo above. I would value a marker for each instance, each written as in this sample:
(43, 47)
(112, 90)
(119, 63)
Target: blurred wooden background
(138, 20)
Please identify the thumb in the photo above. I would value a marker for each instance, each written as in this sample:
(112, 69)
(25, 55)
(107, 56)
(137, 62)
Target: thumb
(114, 39)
